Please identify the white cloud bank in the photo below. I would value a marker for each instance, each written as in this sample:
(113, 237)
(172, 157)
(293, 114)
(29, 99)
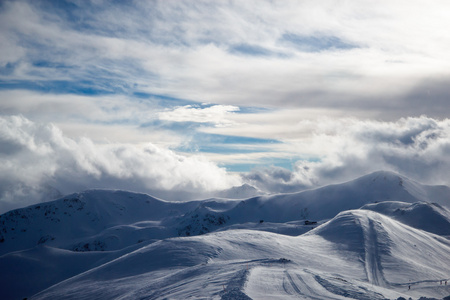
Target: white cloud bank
(36, 159)
(418, 148)
(216, 114)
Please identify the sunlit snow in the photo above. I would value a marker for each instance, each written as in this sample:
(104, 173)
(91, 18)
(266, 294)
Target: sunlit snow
(381, 236)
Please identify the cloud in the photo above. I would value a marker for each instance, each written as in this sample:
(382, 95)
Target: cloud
(215, 114)
(315, 43)
(277, 180)
(81, 108)
(355, 57)
(38, 160)
(418, 148)
(115, 77)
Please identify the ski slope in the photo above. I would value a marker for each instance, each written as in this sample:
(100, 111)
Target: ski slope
(358, 254)
(430, 217)
(374, 237)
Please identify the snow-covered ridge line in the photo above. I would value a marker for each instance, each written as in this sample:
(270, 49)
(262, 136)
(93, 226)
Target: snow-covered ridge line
(97, 226)
(359, 254)
(111, 220)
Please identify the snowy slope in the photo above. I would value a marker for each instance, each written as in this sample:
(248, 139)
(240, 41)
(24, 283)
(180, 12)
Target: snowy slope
(327, 202)
(105, 220)
(240, 192)
(25, 272)
(112, 220)
(84, 231)
(430, 217)
(314, 205)
(359, 254)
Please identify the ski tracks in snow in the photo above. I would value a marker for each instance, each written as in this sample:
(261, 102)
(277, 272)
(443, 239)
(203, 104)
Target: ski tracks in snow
(233, 291)
(301, 288)
(373, 267)
(285, 283)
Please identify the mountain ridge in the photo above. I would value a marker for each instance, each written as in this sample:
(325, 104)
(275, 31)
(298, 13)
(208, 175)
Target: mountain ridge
(186, 263)
(97, 227)
(94, 211)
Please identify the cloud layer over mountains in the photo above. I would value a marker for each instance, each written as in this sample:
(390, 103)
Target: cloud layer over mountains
(183, 98)
(36, 156)
(38, 160)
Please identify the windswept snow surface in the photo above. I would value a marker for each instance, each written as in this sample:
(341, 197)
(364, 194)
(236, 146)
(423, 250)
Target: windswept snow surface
(114, 244)
(430, 217)
(359, 254)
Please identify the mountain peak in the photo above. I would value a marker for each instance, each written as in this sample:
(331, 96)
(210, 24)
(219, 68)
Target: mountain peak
(240, 192)
(384, 175)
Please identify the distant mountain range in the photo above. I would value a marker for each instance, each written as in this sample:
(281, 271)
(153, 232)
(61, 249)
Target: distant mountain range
(379, 236)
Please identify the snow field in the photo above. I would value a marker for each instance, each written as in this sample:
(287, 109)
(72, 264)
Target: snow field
(120, 245)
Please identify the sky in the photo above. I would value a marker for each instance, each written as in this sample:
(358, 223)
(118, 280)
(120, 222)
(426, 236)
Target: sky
(183, 98)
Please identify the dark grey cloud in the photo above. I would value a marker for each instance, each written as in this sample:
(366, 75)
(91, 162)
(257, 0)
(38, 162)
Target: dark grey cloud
(429, 97)
(275, 180)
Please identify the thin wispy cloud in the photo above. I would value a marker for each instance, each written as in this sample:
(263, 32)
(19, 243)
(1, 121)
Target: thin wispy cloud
(321, 91)
(323, 53)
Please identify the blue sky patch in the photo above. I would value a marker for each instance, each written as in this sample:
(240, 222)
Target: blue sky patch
(61, 87)
(164, 100)
(8, 69)
(225, 144)
(229, 139)
(316, 43)
(286, 163)
(252, 50)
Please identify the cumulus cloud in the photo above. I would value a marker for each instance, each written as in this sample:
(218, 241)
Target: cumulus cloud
(418, 148)
(37, 161)
(277, 180)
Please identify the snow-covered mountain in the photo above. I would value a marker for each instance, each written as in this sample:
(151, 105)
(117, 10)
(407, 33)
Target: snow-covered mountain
(240, 192)
(430, 217)
(358, 254)
(315, 244)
